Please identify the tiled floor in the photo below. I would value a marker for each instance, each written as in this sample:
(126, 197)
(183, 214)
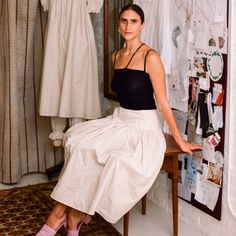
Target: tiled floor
(157, 222)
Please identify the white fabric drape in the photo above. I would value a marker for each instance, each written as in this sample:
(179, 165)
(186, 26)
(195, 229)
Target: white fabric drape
(24, 144)
(231, 112)
(156, 32)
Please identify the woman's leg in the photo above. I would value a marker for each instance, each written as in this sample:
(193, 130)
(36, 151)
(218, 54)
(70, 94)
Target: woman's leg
(55, 221)
(57, 216)
(74, 217)
(75, 221)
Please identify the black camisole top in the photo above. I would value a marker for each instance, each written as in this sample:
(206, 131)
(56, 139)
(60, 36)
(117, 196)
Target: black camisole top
(133, 87)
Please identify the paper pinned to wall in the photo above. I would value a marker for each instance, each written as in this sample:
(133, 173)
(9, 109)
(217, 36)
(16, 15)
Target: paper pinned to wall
(206, 193)
(208, 151)
(219, 159)
(221, 11)
(214, 174)
(184, 192)
(191, 173)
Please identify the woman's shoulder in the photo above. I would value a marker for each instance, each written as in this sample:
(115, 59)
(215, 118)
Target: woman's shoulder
(146, 52)
(152, 56)
(150, 51)
(114, 55)
(117, 51)
(144, 49)
(152, 59)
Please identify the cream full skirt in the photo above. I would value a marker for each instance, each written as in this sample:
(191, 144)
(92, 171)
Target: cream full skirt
(110, 163)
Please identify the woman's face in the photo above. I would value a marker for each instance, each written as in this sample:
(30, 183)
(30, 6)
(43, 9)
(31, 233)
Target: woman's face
(130, 25)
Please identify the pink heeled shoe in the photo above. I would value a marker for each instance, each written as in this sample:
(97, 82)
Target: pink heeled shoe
(86, 219)
(48, 231)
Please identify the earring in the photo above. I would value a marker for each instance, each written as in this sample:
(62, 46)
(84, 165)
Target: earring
(222, 39)
(118, 30)
(211, 42)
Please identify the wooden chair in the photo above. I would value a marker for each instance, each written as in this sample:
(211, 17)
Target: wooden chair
(170, 165)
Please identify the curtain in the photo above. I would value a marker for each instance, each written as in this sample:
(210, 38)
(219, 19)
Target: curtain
(24, 143)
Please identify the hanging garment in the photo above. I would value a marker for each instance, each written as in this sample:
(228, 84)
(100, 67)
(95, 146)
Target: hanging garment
(211, 11)
(58, 125)
(69, 86)
(181, 13)
(156, 32)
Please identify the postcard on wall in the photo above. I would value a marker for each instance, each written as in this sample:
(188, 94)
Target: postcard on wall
(220, 36)
(206, 193)
(214, 174)
(199, 67)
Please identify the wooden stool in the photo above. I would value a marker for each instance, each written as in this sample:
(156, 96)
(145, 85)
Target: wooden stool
(170, 165)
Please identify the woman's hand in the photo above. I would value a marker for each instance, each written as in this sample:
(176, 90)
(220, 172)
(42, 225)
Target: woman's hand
(188, 147)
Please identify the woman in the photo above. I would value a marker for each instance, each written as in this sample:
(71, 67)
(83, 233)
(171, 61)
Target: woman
(112, 162)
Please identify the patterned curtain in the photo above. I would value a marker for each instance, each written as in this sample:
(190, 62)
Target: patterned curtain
(24, 143)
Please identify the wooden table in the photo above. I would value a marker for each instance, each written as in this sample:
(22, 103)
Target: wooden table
(170, 165)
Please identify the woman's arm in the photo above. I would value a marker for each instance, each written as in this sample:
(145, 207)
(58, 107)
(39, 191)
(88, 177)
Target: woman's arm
(157, 77)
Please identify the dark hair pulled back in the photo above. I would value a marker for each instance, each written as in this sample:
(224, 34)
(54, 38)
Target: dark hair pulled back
(133, 7)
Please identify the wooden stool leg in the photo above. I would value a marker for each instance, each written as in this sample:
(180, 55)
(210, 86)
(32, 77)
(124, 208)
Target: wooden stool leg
(126, 224)
(175, 195)
(144, 204)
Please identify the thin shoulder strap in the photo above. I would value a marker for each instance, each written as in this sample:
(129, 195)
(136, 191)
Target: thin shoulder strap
(115, 57)
(145, 59)
(134, 54)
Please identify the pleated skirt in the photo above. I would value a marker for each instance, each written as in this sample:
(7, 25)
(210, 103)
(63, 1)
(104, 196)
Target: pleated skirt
(111, 163)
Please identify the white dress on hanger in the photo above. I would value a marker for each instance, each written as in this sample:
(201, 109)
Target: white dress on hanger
(156, 32)
(180, 50)
(69, 86)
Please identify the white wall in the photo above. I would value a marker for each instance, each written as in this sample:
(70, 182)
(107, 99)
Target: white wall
(231, 112)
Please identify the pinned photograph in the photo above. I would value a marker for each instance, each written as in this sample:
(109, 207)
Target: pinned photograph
(214, 139)
(199, 64)
(214, 174)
